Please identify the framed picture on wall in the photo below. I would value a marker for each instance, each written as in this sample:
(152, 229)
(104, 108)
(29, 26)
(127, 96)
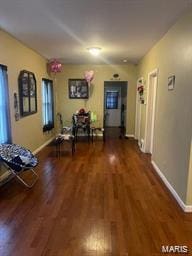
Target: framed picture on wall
(171, 83)
(78, 89)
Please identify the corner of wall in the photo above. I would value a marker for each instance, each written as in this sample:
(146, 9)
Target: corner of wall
(189, 183)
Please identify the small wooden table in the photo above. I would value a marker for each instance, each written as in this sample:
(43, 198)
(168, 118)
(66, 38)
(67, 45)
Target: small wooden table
(95, 129)
(60, 139)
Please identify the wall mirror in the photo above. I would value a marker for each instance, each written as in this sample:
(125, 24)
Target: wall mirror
(27, 93)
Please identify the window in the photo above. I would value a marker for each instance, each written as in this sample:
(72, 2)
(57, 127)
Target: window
(5, 131)
(48, 108)
(112, 100)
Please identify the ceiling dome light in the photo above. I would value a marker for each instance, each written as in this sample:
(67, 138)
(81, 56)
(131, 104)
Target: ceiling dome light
(94, 50)
(125, 60)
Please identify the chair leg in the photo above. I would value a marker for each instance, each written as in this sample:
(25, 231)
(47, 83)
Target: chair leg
(88, 133)
(25, 183)
(73, 146)
(76, 132)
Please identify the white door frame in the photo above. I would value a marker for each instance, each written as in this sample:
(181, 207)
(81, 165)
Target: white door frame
(149, 135)
(138, 114)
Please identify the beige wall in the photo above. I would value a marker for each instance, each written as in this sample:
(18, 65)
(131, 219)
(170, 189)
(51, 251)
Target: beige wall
(28, 130)
(172, 55)
(95, 102)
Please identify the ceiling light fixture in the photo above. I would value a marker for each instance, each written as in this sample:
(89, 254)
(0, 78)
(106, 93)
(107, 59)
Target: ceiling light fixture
(124, 60)
(94, 50)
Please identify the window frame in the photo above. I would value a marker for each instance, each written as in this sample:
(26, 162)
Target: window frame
(47, 126)
(8, 119)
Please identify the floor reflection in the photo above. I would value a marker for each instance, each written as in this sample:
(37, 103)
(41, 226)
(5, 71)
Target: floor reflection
(98, 240)
(5, 234)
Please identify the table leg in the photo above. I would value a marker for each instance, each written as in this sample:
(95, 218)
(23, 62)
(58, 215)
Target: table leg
(88, 133)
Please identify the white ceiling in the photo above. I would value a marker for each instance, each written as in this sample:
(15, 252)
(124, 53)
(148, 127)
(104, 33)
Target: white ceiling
(66, 28)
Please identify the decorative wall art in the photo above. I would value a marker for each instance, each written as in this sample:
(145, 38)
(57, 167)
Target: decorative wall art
(16, 106)
(115, 77)
(78, 89)
(171, 83)
(27, 93)
(140, 89)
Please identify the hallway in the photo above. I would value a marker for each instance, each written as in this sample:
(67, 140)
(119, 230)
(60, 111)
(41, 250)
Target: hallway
(105, 201)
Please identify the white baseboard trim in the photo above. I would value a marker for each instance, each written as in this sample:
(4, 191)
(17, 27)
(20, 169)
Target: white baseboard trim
(188, 208)
(98, 134)
(185, 208)
(84, 135)
(42, 146)
(94, 135)
(130, 135)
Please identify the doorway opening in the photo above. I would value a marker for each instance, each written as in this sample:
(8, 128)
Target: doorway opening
(150, 114)
(115, 108)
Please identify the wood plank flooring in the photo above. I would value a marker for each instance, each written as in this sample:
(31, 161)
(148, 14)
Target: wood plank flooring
(106, 200)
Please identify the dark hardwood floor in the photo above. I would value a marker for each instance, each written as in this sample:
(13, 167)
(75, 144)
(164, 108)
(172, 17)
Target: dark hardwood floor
(106, 200)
